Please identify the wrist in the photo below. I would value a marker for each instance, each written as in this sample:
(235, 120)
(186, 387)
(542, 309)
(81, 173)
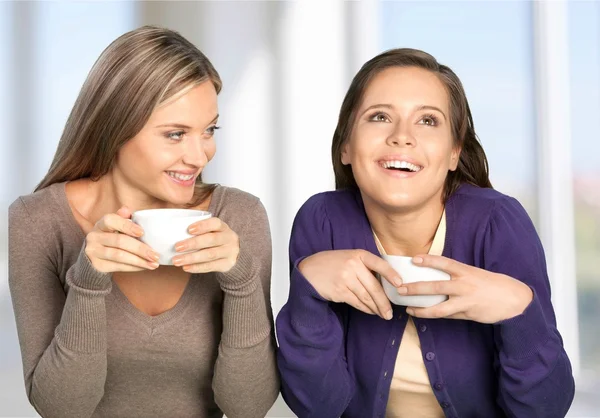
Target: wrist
(522, 300)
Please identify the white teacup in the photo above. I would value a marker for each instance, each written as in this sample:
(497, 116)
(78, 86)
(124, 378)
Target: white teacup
(163, 228)
(411, 273)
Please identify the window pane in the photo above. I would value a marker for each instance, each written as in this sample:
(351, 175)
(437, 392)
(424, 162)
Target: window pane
(584, 45)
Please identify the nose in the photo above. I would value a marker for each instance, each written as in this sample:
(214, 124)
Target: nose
(401, 136)
(194, 153)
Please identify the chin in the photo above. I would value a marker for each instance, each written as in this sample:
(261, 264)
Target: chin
(396, 201)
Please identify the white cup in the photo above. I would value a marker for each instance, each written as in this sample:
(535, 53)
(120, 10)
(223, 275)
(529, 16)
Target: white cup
(411, 273)
(163, 228)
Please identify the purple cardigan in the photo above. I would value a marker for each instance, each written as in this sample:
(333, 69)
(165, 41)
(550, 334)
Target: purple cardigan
(336, 361)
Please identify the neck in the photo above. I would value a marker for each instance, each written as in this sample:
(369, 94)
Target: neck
(405, 232)
(111, 192)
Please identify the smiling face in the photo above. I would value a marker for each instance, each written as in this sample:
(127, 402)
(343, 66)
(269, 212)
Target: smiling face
(163, 161)
(401, 146)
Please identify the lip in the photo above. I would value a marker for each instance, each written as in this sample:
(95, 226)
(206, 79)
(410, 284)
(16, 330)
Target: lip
(399, 157)
(397, 173)
(184, 183)
(184, 172)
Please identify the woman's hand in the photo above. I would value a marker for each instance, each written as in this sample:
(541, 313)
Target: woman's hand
(346, 276)
(113, 246)
(474, 294)
(214, 247)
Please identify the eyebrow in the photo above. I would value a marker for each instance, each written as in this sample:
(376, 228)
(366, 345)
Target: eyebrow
(389, 106)
(181, 125)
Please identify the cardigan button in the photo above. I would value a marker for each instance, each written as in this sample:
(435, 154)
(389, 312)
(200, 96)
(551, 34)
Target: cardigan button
(423, 327)
(430, 356)
(438, 386)
(445, 405)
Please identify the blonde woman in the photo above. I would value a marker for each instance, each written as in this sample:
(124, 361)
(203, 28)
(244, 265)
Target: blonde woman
(104, 330)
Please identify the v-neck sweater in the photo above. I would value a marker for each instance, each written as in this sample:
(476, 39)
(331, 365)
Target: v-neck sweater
(89, 352)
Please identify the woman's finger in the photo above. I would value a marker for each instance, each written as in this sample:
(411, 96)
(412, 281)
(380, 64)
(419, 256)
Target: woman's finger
(351, 299)
(438, 262)
(222, 265)
(111, 266)
(205, 240)
(362, 294)
(206, 255)
(379, 265)
(452, 308)
(129, 244)
(119, 256)
(212, 224)
(115, 223)
(443, 287)
(376, 293)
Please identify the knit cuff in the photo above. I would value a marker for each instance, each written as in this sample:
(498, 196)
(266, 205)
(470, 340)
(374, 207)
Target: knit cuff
(524, 334)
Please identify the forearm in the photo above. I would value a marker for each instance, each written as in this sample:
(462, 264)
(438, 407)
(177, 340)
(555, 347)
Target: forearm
(535, 373)
(314, 375)
(68, 380)
(245, 381)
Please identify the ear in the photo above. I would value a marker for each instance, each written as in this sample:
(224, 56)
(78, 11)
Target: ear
(454, 158)
(345, 154)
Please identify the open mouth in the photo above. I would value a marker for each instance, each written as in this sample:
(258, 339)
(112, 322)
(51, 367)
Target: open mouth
(179, 176)
(398, 165)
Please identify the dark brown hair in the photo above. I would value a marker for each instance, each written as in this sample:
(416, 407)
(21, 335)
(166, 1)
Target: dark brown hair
(472, 165)
(134, 75)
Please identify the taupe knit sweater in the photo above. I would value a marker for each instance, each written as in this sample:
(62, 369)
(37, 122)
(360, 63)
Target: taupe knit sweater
(88, 352)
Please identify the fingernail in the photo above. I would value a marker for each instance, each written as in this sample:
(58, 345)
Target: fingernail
(180, 247)
(389, 314)
(410, 311)
(397, 281)
(153, 265)
(193, 230)
(402, 290)
(177, 260)
(417, 260)
(153, 256)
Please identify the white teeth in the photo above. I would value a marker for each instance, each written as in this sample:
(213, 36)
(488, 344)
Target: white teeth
(401, 164)
(182, 177)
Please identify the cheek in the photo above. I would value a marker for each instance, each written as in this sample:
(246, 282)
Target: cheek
(210, 149)
(142, 160)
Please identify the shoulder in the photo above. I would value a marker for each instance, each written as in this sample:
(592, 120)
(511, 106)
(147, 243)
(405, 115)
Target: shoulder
(230, 201)
(39, 229)
(494, 221)
(37, 208)
(231, 197)
(474, 204)
(237, 208)
(332, 206)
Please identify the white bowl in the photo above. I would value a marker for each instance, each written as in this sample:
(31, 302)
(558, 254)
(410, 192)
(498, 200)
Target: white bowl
(163, 228)
(411, 273)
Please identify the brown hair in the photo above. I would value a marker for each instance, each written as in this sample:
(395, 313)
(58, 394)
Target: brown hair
(134, 75)
(472, 165)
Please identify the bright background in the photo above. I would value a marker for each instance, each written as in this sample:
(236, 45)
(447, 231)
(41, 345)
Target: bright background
(531, 71)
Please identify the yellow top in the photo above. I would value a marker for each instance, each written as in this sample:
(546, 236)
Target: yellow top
(411, 395)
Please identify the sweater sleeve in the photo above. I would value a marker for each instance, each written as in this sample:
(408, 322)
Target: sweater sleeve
(535, 377)
(311, 357)
(245, 382)
(62, 336)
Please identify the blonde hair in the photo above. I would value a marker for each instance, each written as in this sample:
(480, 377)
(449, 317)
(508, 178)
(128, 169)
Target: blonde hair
(134, 75)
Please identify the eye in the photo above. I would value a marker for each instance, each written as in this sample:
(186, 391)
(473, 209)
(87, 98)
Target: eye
(429, 120)
(175, 136)
(379, 117)
(210, 131)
